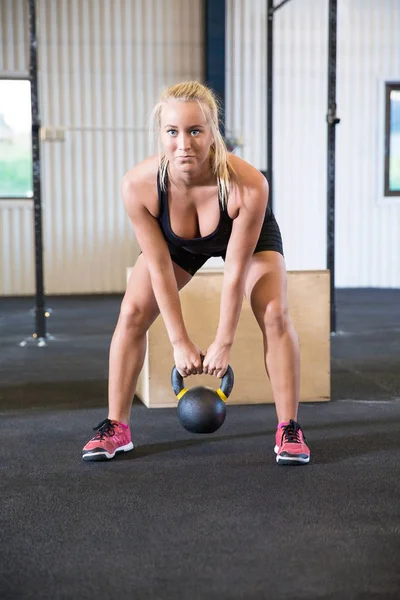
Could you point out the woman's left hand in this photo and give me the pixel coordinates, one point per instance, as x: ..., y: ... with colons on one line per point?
x: 216, y: 360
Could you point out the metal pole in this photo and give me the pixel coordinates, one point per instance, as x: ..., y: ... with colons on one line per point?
x: 215, y: 26
x: 278, y: 6
x: 270, y: 94
x: 40, y: 318
x: 332, y: 121
x: 270, y: 98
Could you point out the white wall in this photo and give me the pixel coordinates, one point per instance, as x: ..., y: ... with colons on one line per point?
x: 102, y: 66
x: 367, y: 229
x: 300, y: 58
x: 368, y: 226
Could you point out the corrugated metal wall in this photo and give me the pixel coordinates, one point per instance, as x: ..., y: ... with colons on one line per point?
x: 301, y: 51
x: 368, y: 226
x: 246, y: 76
x: 367, y: 229
x: 16, y: 247
x: 14, y: 48
x: 300, y: 58
x: 102, y: 66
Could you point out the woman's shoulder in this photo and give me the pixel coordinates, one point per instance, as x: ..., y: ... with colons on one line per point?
x: 244, y: 175
x: 144, y: 172
x: 140, y: 183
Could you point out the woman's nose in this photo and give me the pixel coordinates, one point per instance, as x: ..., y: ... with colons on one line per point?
x: 184, y: 141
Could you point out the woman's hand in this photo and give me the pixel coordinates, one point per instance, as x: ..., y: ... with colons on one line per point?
x: 188, y: 358
x: 216, y: 360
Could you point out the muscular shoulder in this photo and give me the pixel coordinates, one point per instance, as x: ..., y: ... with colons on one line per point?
x: 247, y: 176
x: 248, y: 183
x: 139, y: 184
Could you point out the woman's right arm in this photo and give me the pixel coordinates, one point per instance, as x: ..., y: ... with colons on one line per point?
x: 159, y: 263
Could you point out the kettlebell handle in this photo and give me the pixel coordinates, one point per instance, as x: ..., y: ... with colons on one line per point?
x: 223, y: 391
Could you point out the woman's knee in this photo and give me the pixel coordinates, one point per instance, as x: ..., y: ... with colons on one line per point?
x: 136, y: 316
x: 276, y: 318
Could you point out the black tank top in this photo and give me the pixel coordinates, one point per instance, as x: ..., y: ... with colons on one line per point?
x: 214, y: 244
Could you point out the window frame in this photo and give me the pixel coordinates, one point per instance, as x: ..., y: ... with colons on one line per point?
x: 389, y: 87
x: 18, y: 77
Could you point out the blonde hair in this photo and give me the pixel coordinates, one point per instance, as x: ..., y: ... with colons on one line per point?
x: 193, y: 91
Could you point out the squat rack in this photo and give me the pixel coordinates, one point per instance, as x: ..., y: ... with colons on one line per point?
x: 215, y: 28
x: 40, y: 311
x: 331, y: 119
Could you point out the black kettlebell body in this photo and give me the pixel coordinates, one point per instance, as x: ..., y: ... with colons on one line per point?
x: 202, y: 409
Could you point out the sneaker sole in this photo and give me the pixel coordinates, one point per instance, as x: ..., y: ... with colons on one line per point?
x: 290, y: 460
x: 104, y: 455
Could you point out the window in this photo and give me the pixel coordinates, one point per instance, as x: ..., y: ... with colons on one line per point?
x: 392, y: 140
x: 15, y: 139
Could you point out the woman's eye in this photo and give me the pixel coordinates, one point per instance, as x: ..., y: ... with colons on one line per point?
x: 174, y: 133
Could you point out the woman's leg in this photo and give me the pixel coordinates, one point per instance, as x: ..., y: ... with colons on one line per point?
x: 266, y: 291
x: 139, y: 310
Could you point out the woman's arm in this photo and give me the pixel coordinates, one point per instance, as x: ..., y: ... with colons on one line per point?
x: 245, y: 233
x: 156, y: 252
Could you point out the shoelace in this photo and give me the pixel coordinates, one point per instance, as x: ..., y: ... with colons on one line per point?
x: 292, y: 432
x: 105, y: 428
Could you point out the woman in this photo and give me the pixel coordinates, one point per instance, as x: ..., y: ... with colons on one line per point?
x: 192, y: 201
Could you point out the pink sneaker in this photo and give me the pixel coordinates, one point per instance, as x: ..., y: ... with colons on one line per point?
x: 291, y: 447
x: 111, y: 438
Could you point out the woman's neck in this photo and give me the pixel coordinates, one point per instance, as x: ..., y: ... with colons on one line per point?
x: 200, y: 177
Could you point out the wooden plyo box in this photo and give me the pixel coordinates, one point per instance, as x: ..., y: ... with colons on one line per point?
x: 309, y: 306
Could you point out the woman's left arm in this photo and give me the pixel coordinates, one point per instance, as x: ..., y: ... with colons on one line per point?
x: 245, y: 233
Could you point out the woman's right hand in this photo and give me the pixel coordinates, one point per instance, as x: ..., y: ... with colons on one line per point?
x: 188, y: 358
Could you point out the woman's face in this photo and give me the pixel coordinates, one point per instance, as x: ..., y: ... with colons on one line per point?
x: 185, y: 134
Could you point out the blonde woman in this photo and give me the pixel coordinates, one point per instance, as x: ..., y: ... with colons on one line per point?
x: 192, y: 201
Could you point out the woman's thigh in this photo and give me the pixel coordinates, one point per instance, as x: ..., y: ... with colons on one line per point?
x: 139, y: 297
x: 266, y: 284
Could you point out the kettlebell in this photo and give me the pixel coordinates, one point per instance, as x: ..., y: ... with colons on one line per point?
x: 202, y: 409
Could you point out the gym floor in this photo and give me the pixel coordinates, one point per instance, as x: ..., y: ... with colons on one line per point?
x: 188, y: 517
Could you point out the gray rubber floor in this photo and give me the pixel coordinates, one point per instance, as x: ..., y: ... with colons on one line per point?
x: 197, y: 517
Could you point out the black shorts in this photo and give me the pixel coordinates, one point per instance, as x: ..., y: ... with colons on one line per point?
x: 270, y: 239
